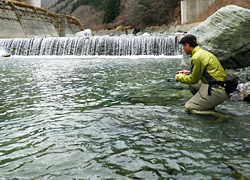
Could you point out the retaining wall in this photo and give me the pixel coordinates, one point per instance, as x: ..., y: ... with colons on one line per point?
x: 18, y: 20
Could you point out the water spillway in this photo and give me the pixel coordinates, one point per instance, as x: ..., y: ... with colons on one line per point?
x: 95, y: 45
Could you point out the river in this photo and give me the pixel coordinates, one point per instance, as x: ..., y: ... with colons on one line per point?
x: 113, y: 118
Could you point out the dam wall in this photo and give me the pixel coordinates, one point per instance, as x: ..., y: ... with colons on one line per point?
x: 19, y: 20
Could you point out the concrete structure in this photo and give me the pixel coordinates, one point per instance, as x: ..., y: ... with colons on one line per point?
x: 36, y: 3
x: 19, y: 20
x: 62, y: 26
x: 190, y: 9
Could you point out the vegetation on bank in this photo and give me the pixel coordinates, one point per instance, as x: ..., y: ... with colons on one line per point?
x: 66, y: 4
x: 108, y: 14
x: 95, y: 3
x: 137, y: 13
x: 110, y: 8
x: 221, y: 3
x: 143, y: 13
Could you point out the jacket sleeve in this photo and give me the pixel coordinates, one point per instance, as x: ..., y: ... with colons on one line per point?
x: 196, y: 72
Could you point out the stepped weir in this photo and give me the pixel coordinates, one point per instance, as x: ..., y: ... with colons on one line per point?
x: 95, y: 45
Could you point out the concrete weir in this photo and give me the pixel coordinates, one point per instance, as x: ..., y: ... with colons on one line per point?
x: 26, y: 21
x: 94, y: 46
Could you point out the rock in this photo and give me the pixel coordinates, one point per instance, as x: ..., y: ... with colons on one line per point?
x: 244, y: 91
x: 186, y: 62
x: 145, y: 34
x: 227, y: 35
x: 86, y: 33
x: 242, y: 74
x: 183, y: 27
x: 5, y: 55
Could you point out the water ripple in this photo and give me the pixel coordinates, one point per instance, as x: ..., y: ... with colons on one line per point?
x: 75, y: 119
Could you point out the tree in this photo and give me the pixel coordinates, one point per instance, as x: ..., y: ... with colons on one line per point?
x: 95, y: 3
x: 111, y: 10
x: 143, y: 13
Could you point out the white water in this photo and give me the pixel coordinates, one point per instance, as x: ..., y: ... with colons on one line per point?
x: 2, y: 52
x: 94, y: 46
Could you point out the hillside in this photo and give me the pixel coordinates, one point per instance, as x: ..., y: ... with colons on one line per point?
x: 89, y: 17
x: 221, y: 3
x: 138, y: 14
x: 48, y: 3
x: 62, y: 6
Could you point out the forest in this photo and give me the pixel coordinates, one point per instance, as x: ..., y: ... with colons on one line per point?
x: 108, y: 14
x: 136, y: 13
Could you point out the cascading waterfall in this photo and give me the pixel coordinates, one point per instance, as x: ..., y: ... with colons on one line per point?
x: 95, y: 45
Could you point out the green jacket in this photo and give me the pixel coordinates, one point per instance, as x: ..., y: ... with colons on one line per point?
x: 204, y: 66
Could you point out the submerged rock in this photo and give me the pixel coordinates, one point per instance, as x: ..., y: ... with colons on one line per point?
x: 162, y: 94
x: 227, y: 35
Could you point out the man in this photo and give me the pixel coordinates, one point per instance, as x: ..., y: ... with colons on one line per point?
x: 205, y: 68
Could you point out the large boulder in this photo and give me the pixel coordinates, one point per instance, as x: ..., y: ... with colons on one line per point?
x: 227, y: 35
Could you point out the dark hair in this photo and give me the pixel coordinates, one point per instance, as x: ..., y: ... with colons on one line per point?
x: 193, y: 45
x: 189, y: 39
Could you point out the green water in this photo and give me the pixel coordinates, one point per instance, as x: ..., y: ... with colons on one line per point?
x: 113, y: 118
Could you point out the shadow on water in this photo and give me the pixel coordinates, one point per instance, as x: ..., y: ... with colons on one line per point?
x: 160, y: 94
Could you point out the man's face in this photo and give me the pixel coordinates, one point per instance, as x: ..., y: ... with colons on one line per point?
x: 188, y: 50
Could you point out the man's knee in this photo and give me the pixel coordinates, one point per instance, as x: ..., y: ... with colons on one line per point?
x: 190, y: 105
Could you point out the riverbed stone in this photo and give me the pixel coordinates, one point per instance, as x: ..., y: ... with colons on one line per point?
x: 227, y: 35
x: 5, y: 55
x: 244, y: 91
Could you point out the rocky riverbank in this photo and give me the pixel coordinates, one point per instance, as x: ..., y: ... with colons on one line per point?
x: 152, y: 30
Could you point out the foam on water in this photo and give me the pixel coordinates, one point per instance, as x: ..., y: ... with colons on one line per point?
x: 94, y: 46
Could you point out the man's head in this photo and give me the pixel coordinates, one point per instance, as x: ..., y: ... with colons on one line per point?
x: 188, y: 42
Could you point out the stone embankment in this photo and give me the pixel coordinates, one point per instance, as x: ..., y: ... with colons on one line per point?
x: 18, y: 20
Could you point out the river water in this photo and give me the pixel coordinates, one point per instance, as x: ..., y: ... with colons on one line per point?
x: 113, y: 118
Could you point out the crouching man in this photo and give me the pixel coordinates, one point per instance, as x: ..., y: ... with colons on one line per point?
x: 205, y: 68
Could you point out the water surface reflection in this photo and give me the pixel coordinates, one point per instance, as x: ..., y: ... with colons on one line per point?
x: 104, y: 118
